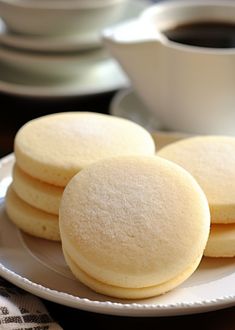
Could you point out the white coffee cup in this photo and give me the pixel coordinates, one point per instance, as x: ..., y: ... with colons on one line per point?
x: 190, y: 88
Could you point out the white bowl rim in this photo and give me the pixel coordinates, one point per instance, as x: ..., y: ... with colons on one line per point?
x: 60, y: 4
x: 20, y: 56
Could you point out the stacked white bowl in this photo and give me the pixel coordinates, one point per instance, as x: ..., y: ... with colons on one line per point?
x: 56, y: 39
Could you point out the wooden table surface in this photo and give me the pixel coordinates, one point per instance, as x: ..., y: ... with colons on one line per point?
x: 14, y: 112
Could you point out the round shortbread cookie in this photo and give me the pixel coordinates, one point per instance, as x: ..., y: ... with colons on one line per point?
x: 211, y: 160
x: 221, y: 242
x: 134, y: 222
x: 54, y: 148
x: 128, y: 293
x: 39, y: 194
x: 31, y: 220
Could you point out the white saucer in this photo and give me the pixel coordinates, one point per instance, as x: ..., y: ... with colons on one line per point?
x: 127, y: 104
x: 105, y: 75
x: 50, y: 44
x: 81, y: 41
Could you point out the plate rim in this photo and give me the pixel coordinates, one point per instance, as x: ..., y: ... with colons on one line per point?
x: 109, y: 307
x: 115, y: 308
x: 57, y: 91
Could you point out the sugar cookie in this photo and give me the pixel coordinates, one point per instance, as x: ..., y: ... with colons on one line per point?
x: 129, y: 293
x: 31, y: 220
x: 39, y: 194
x: 55, y: 147
x: 134, y: 223
x: 211, y: 160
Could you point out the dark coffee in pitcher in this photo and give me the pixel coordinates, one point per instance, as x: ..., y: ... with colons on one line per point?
x: 210, y: 34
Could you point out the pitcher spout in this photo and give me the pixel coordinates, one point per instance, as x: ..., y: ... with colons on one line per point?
x: 131, y: 42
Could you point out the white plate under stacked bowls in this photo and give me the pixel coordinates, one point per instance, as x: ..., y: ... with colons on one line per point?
x: 57, y: 41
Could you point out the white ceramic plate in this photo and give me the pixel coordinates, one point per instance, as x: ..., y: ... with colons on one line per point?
x: 81, y: 41
x: 104, y: 75
x: 50, y: 44
x: 38, y: 266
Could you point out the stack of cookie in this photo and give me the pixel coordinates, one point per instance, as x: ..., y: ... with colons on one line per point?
x: 211, y: 160
x: 50, y: 150
x: 133, y: 227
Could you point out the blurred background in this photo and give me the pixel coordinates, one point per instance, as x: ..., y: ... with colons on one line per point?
x: 52, y: 59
